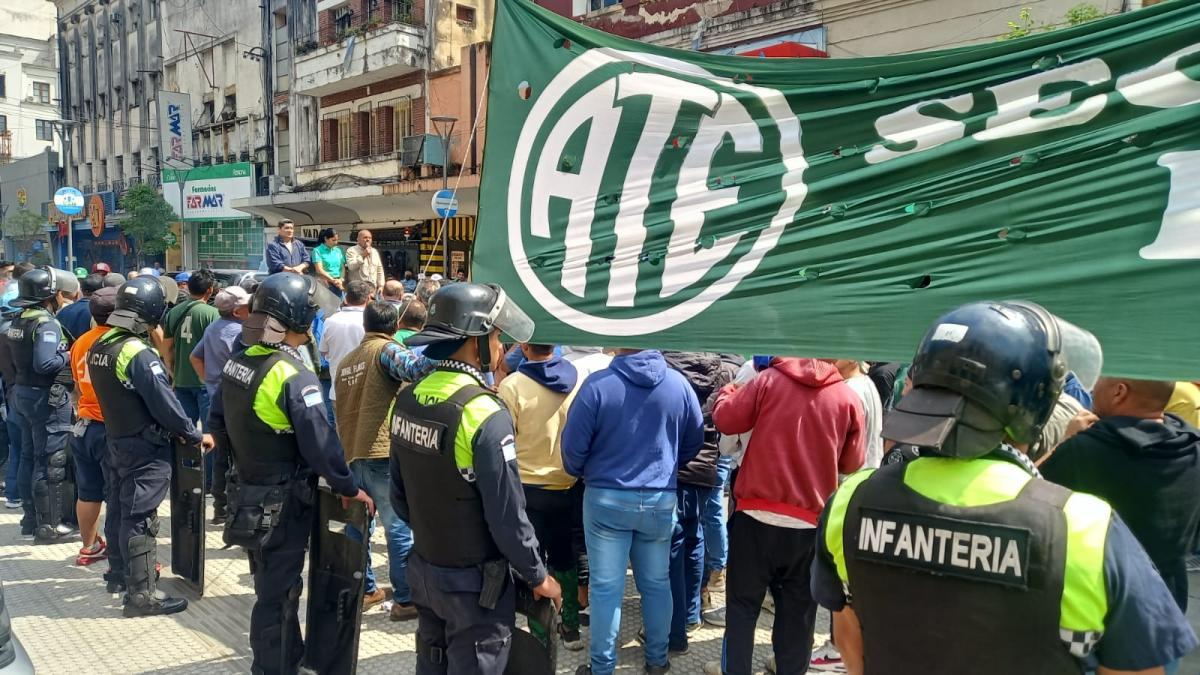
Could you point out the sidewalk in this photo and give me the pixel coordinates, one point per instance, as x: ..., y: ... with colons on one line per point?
x: 67, y: 622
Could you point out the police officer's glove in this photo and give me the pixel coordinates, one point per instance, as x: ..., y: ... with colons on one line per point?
x: 363, y: 497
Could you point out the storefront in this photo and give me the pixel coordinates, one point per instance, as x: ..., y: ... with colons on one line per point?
x: 462, y: 239
x: 96, y: 235
x: 214, y: 233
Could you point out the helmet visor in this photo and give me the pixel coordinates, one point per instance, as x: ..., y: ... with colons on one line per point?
x: 1082, y: 352
x: 322, y: 298
x: 170, y: 288
x: 64, y: 281
x: 510, y: 319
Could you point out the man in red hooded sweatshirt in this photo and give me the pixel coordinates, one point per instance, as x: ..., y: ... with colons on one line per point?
x: 808, y: 428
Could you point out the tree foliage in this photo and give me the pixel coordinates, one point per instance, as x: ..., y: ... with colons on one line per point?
x: 1027, y: 25
x: 148, y: 219
x: 25, y: 226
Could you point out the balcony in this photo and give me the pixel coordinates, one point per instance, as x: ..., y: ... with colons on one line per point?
x: 355, y: 50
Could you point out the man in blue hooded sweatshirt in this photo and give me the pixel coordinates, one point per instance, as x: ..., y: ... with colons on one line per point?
x: 627, y: 432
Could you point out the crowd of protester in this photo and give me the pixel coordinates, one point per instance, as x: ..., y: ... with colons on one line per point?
x: 705, y: 473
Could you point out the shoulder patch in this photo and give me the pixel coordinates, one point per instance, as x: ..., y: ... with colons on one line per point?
x: 157, y: 368
x: 312, y: 395
x: 509, y: 447
x: 49, y: 337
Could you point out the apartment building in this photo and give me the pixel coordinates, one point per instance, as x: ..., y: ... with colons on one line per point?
x: 28, y: 79
x: 363, y: 90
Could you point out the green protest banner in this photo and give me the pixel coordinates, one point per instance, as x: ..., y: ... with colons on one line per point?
x: 639, y: 196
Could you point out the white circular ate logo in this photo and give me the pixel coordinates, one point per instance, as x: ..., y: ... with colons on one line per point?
x: 652, y: 234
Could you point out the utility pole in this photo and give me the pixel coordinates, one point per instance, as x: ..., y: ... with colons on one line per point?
x: 63, y: 128
x: 446, y: 123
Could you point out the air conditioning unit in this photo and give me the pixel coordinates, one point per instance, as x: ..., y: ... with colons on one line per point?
x: 410, y: 150
x: 29, y: 99
x: 279, y: 184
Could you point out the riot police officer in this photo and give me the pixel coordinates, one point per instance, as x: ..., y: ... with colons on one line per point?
x: 142, y: 419
x: 270, y: 407
x: 964, y: 559
x: 455, y: 481
x: 42, y: 391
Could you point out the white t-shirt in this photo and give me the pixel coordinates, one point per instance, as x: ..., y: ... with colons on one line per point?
x: 872, y: 417
x: 343, y: 332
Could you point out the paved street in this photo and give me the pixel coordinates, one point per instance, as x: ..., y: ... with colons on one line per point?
x: 68, y: 623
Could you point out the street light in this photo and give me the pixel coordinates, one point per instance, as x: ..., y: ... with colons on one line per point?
x: 63, y: 128
x: 446, y: 122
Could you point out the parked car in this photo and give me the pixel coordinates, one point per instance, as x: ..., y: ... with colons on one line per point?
x: 13, y: 659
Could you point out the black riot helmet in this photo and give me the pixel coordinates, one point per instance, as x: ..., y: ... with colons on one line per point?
x: 988, y: 370
x: 293, y: 299
x: 464, y: 310
x: 140, y: 303
x: 43, y: 283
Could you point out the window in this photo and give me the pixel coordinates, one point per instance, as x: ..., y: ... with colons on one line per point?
x: 41, y: 92
x: 465, y: 14
x: 2, y: 94
x: 343, y: 19
x: 3, y: 123
x: 595, y: 5
x: 44, y: 129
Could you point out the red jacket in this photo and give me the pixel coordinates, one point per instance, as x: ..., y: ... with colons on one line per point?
x: 808, y: 427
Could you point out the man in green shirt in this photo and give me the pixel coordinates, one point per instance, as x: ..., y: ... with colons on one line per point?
x: 329, y: 260
x: 183, y: 328
x: 412, y: 319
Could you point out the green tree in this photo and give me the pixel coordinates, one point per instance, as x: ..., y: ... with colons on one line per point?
x: 148, y: 220
x: 25, y: 227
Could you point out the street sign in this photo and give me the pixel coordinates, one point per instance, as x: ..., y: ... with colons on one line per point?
x: 444, y: 203
x: 69, y: 201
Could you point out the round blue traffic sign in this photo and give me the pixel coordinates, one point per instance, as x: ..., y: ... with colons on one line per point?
x: 69, y: 200
x: 444, y: 203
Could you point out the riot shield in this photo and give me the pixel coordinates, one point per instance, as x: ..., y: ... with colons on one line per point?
x: 187, y: 515
x: 336, y: 581
x: 528, y: 656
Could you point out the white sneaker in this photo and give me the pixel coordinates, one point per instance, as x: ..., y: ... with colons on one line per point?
x: 714, y: 617
x: 12, y: 503
x: 827, y: 659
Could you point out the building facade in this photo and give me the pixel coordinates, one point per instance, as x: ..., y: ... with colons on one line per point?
x: 836, y: 28
x: 362, y: 90
x: 117, y: 55
x: 28, y: 79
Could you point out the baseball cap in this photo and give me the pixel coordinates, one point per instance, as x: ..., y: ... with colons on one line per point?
x: 182, y: 277
x: 230, y: 298
x: 102, y: 304
x: 80, y: 272
x: 101, y: 268
x: 114, y: 279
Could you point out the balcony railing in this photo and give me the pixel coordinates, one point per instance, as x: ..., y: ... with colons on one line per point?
x: 154, y: 180
x: 101, y: 187
x: 377, y: 13
x: 118, y: 187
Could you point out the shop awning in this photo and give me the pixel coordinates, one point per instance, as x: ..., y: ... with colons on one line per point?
x: 392, y: 202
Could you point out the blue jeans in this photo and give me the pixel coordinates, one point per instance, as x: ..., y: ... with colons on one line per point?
x: 11, y: 481
x: 326, y: 386
x: 194, y: 401
x: 372, y: 475
x: 623, y: 527
x: 687, y: 564
x: 712, y: 516
x: 1173, y: 667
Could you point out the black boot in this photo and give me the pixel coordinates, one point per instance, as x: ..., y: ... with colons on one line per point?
x: 114, y: 581
x: 144, y: 598
x: 47, y: 521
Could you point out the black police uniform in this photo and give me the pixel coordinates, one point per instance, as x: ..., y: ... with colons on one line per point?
x: 42, y: 390
x: 275, y: 470
x: 469, y: 523
x: 141, y: 416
